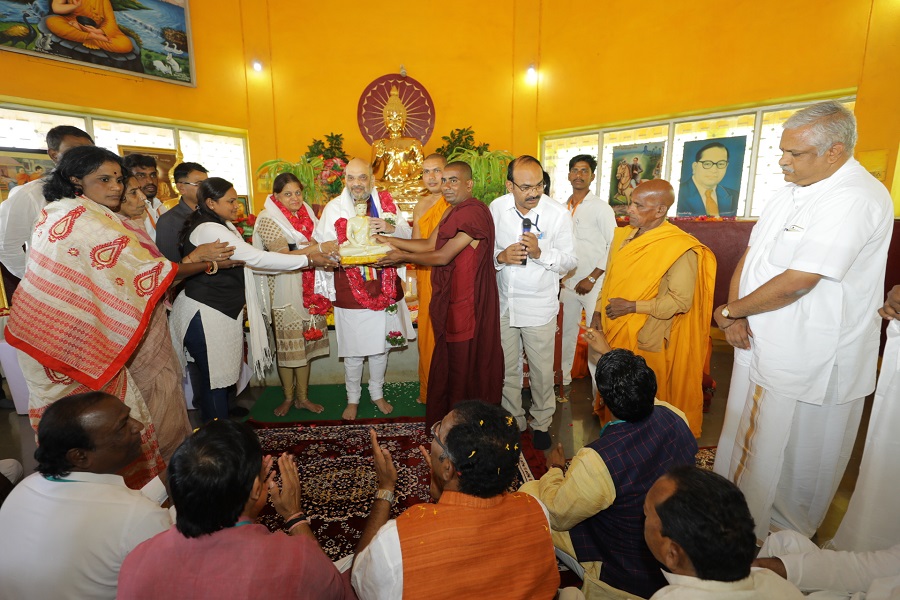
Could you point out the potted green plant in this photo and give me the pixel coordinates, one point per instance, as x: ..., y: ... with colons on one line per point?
x: 488, y: 166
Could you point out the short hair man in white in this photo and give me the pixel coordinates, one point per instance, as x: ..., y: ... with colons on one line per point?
x: 594, y: 222
x: 361, y: 321
x: 20, y: 212
x: 802, y: 315
x: 529, y: 266
x: 66, y: 529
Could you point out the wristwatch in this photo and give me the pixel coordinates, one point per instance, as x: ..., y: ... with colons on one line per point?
x: 386, y: 495
x: 725, y: 313
x: 592, y: 279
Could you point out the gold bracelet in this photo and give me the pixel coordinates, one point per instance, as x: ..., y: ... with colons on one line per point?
x: 213, y: 268
x: 320, y: 247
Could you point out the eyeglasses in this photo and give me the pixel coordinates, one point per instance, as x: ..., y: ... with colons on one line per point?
x: 708, y: 164
x: 529, y: 188
x: 435, y: 429
x: 190, y: 183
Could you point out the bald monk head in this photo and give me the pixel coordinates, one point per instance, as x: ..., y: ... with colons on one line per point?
x: 650, y: 202
x: 358, y: 179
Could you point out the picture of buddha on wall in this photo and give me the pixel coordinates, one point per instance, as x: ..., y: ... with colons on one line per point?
x: 150, y: 37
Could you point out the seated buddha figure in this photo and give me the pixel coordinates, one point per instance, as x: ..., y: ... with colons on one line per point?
x: 397, y: 160
x: 90, y: 23
x: 360, y: 244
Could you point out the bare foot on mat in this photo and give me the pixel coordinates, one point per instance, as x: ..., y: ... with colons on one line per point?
x: 310, y: 406
x: 283, y: 408
x: 350, y: 412
x: 419, y: 400
x: 384, y: 406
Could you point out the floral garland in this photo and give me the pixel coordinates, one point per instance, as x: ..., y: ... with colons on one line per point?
x: 301, y: 221
x: 316, y: 304
x: 382, y: 300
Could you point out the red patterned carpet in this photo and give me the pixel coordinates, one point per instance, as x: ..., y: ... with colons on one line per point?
x: 338, y: 480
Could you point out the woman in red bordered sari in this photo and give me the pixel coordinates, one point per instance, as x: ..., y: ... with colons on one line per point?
x: 87, y: 297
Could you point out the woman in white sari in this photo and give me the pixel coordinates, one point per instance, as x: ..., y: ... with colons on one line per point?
x: 295, y: 302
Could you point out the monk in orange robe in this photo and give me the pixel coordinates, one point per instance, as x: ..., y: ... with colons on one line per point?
x: 657, y: 298
x: 96, y: 29
x: 426, y: 217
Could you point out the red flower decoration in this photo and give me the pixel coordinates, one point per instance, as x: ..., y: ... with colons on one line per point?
x: 340, y: 227
x: 316, y: 304
x: 379, y: 302
x: 313, y: 334
x: 387, y: 202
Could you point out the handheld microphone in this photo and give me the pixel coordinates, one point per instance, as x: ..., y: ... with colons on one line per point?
x: 526, y: 228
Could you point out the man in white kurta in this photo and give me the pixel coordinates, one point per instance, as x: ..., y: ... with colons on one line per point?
x: 802, y: 315
x: 830, y: 574
x: 872, y: 521
x: 529, y: 267
x: 594, y: 222
x: 361, y: 333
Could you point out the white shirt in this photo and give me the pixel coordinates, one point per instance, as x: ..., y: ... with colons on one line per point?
x: 839, y: 228
x: 67, y: 539
x: 530, y: 292
x: 595, y: 224
x: 155, y: 208
x: 18, y: 215
x: 762, y: 584
x: 378, y: 569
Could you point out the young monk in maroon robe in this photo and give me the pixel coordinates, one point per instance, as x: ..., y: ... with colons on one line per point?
x: 467, y: 363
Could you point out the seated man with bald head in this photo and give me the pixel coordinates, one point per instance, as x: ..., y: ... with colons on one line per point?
x: 657, y: 298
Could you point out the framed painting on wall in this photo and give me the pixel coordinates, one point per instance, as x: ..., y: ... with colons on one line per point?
x: 633, y: 164
x: 165, y: 164
x: 711, y: 172
x: 151, y: 38
x: 18, y: 166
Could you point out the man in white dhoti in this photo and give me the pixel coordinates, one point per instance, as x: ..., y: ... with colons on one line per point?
x: 370, y: 314
x: 872, y: 521
x: 802, y: 317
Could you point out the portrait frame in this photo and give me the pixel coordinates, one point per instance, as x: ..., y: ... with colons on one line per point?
x: 648, y: 155
x: 26, y: 159
x: 690, y: 204
x: 244, y: 201
x: 157, y: 35
x: 166, y: 159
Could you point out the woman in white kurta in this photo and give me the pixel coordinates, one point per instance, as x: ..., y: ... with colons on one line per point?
x: 207, y: 316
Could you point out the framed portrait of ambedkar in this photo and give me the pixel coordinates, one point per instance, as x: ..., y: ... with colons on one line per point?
x: 151, y: 38
x: 711, y: 172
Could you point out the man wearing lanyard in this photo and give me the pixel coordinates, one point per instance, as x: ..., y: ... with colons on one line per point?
x: 533, y: 247
x: 595, y: 223
x: 596, y: 503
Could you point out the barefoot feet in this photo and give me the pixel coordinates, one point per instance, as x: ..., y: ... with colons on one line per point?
x: 384, y: 406
x: 350, y: 412
x: 307, y: 405
x: 283, y: 408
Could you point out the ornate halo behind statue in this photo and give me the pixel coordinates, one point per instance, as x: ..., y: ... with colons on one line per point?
x: 413, y: 95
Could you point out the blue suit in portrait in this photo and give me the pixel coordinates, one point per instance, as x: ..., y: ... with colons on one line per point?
x: 690, y: 202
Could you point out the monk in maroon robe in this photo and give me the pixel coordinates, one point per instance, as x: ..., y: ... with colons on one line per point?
x: 467, y: 363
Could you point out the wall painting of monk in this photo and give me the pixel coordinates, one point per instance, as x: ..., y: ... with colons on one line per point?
x: 632, y: 164
x: 147, y: 37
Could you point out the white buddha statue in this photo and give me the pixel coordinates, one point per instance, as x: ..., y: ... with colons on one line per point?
x: 360, y: 242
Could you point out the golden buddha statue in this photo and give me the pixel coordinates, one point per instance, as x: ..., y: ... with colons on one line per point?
x: 397, y: 160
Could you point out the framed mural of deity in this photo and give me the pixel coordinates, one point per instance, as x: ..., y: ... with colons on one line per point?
x: 18, y: 166
x: 165, y: 164
x: 711, y: 173
x: 150, y: 38
x: 631, y: 165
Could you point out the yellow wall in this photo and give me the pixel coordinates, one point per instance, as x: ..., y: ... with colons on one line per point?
x: 600, y: 65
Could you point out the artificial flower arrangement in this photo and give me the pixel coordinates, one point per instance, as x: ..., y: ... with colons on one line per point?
x: 244, y: 226
x: 395, y: 338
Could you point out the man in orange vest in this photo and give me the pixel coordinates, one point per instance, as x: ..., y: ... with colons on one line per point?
x: 657, y: 298
x: 476, y: 529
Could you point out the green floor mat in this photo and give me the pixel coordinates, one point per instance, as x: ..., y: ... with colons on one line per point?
x: 334, y: 398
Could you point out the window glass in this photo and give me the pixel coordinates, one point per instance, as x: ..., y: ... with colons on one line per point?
x: 26, y: 129
x: 222, y: 155
x: 112, y: 134
x: 557, y: 153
